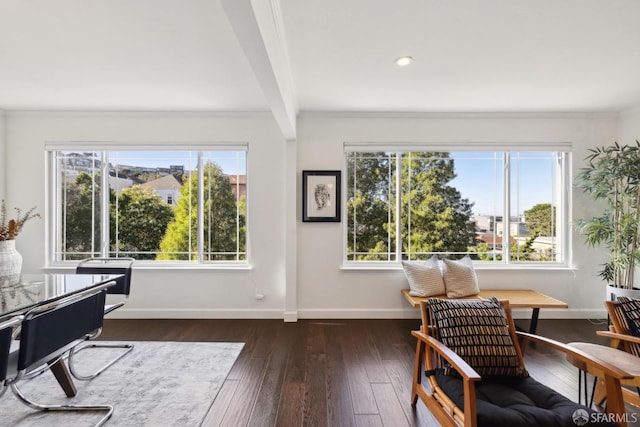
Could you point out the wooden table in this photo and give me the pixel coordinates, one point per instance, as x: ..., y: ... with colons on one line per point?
x: 518, y: 298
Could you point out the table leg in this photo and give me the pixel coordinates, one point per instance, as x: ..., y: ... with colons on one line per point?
x: 62, y: 374
x: 534, y: 320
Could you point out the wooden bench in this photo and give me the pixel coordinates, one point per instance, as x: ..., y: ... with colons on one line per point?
x: 518, y: 298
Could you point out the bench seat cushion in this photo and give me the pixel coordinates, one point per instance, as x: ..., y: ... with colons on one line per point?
x: 517, y: 402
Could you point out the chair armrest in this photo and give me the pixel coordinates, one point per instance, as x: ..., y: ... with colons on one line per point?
x: 621, y: 337
x: 606, y: 368
x: 466, y: 372
x: 609, y: 374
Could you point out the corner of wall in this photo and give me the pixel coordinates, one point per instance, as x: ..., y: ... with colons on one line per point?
x: 3, y: 153
x: 290, y: 316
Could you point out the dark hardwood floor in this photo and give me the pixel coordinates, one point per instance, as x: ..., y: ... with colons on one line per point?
x: 333, y: 372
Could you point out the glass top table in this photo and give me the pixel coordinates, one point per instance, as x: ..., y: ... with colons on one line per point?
x: 35, y: 289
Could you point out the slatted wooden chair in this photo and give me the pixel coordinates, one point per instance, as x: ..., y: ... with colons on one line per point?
x: 622, y: 337
x: 496, y: 390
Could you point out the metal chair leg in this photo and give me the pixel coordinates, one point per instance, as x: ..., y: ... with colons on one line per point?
x: 76, y: 350
x: 68, y: 408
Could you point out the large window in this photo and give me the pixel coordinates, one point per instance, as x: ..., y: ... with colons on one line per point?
x: 172, y: 205
x: 499, y: 206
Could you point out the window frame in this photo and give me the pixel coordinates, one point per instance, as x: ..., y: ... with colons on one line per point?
x: 52, y: 186
x: 563, y: 186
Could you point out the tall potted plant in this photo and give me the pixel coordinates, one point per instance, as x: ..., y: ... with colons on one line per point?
x: 612, y: 176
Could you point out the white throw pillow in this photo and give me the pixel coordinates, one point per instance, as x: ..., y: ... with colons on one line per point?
x: 460, y: 278
x: 425, y: 279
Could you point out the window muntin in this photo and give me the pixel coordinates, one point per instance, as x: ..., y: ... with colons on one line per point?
x: 455, y: 203
x: 161, y: 205
x: 537, y: 226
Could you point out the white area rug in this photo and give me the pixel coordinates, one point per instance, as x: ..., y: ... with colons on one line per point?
x: 157, y: 384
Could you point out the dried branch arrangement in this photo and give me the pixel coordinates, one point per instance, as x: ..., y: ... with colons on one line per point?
x: 10, y: 228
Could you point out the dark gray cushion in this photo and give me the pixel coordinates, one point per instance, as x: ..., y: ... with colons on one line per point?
x: 518, y: 402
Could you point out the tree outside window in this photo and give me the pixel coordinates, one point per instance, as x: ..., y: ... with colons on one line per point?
x: 499, y: 207
x: 158, y: 205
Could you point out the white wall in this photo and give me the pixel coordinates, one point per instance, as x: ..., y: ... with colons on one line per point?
x: 283, y: 246
x: 162, y: 293
x: 3, y: 170
x: 324, y: 290
x: 629, y: 127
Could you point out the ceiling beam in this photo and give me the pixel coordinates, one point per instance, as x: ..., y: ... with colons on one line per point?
x: 258, y: 27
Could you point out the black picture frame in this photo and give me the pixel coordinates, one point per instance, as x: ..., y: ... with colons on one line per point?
x: 321, y: 196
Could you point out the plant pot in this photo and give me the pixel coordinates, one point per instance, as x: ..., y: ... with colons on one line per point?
x: 10, y: 262
x: 613, y: 293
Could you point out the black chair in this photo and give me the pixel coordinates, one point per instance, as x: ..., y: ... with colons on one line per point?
x: 6, y: 331
x: 122, y: 289
x: 48, y: 332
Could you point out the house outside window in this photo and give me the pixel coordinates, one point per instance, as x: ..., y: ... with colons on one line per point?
x: 163, y: 206
x: 501, y: 204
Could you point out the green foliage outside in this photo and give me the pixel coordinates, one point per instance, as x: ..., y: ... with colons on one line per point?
x: 434, y: 215
x: 368, y: 205
x: 525, y: 252
x: 539, y: 222
x: 82, y: 216
x: 142, y: 221
x: 147, y: 228
x: 541, y: 219
x: 220, y: 233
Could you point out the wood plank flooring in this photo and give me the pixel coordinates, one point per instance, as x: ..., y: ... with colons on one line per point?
x: 333, y: 372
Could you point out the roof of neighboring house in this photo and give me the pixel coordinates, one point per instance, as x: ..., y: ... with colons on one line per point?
x: 168, y: 182
x: 237, y: 179
x: 492, y: 239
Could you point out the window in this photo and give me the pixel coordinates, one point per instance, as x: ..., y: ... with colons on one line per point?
x: 177, y: 205
x: 497, y: 205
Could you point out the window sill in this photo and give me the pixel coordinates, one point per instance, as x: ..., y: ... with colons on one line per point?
x: 393, y: 266
x: 141, y: 265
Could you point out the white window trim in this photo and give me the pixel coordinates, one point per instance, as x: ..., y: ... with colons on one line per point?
x: 51, y: 184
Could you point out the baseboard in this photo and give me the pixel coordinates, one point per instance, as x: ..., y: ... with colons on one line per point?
x: 356, y: 313
x: 312, y: 313
x: 163, y: 313
x: 415, y: 314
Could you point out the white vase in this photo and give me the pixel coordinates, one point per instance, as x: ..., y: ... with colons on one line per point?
x: 10, y: 262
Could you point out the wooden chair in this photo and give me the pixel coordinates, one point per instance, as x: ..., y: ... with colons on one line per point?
x: 619, y: 330
x: 472, y: 400
x: 623, y: 339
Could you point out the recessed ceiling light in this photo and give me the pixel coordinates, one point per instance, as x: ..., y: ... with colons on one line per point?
x: 403, y: 61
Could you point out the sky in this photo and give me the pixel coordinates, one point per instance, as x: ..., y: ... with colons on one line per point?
x: 232, y: 162
x: 479, y: 180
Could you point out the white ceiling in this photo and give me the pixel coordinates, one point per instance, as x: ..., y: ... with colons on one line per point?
x: 320, y: 55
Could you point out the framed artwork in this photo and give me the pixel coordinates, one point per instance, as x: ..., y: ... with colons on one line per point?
x: 321, y: 196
